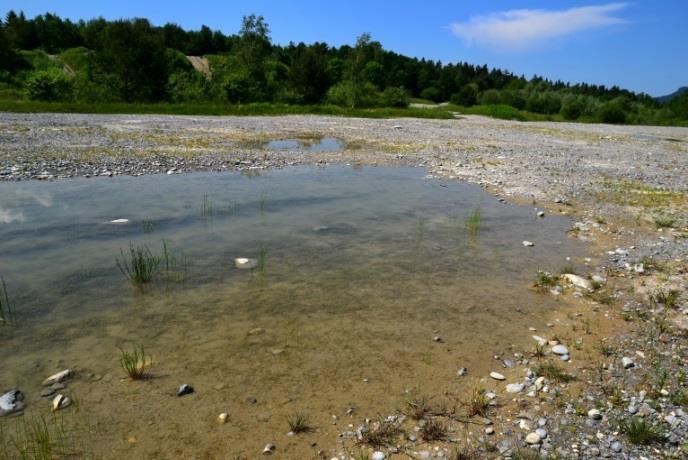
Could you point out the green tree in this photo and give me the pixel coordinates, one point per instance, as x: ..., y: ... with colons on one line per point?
x: 133, y: 61
x: 48, y: 85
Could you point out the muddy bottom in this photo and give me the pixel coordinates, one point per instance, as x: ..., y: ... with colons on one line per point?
x: 325, y: 144
x: 358, y: 271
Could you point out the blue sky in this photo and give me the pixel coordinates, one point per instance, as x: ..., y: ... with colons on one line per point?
x: 641, y: 45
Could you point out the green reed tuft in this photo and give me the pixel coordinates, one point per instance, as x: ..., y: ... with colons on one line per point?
x: 139, y: 265
x: 473, y: 222
x: 135, y: 362
x: 6, y: 312
x: 207, y: 206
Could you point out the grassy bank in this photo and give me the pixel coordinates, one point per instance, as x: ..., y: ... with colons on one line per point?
x: 217, y: 109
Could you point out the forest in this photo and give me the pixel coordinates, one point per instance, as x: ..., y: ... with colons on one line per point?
x: 99, y: 63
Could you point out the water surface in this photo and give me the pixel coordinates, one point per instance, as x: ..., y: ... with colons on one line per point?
x: 362, y: 268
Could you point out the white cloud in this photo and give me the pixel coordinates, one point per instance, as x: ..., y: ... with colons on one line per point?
x: 520, y: 29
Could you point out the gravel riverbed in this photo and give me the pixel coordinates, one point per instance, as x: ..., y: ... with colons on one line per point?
x: 619, y: 386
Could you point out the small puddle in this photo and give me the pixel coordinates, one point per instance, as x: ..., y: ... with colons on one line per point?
x: 326, y: 144
x: 358, y: 270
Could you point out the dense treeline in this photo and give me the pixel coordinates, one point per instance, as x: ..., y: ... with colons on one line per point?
x: 53, y: 59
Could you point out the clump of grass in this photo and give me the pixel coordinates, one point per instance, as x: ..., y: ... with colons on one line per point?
x: 139, y: 265
x: 298, y: 423
x: 35, y: 438
x: 544, y: 280
x: 380, y: 433
x: 567, y: 269
x: 135, y: 362
x: 5, y: 306
x: 664, y: 221
x: 640, y: 432
x: 553, y: 372
x: 473, y: 222
x: 148, y: 226
x: 667, y: 298
x: 539, y: 351
x: 207, y: 206
x: 417, y: 407
x: 477, y: 404
x: 605, y: 348
x: 433, y: 430
x: 261, y: 204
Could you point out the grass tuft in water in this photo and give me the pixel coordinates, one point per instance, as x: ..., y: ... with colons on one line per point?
x: 261, y: 204
x: 6, y: 311
x: 473, y: 223
x: 299, y: 423
x: 640, y: 432
x: 553, y: 372
x: 139, y: 265
x: 36, y: 438
x: 207, y: 206
x: 135, y: 362
x: 544, y: 280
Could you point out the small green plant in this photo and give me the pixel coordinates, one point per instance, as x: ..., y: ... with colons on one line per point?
x: 605, y: 348
x: 417, y: 407
x: 570, y: 269
x: 553, y: 372
x: 473, y: 223
x: 135, y: 362
x: 664, y: 221
x: 477, y: 404
x: 433, y: 430
x: 261, y: 204
x: 207, y: 206
x: 544, y: 280
x: 5, y: 306
x: 148, y: 226
x: 139, y: 265
x: 539, y: 351
x: 298, y: 423
x: 667, y: 298
x: 680, y: 398
x: 600, y: 220
x: 640, y: 432
x: 36, y: 438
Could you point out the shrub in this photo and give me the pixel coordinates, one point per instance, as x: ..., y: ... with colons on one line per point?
x: 490, y: 97
x: 48, y: 85
x: 432, y: 94
x: 394, y: 97
x: 572, y: 107
x: 467, y: 97
x: 611, y: 113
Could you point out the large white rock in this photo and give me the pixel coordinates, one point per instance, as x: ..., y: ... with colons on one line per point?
x: 560, y: 350
x: 577, y: 281
x: 514, y: 388
x: 533, y: 438
x: 10, y: 402
x: 497, y: 376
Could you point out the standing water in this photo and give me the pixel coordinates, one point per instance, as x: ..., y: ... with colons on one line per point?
x: 356, y: 271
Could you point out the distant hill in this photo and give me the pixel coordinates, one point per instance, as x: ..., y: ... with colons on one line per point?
x: 668, y: 97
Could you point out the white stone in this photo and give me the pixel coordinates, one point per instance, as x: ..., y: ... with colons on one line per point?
x: 577, y: 281
x: 377, y: 455
x: 528, y: 244
x: 119, y: 221
x: 540, y: 340
x: 57, y: 378
x: 533, y: 438
x: 560, y: 350
x: 268, y: 449
x: 594, y: 414
x: 497, y: 376
x: 59, y: 402
x: 222, y: 418
x: 11, y: 402
x: 627, y: 363
x: 514, y: 388
x: 244, y: 263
